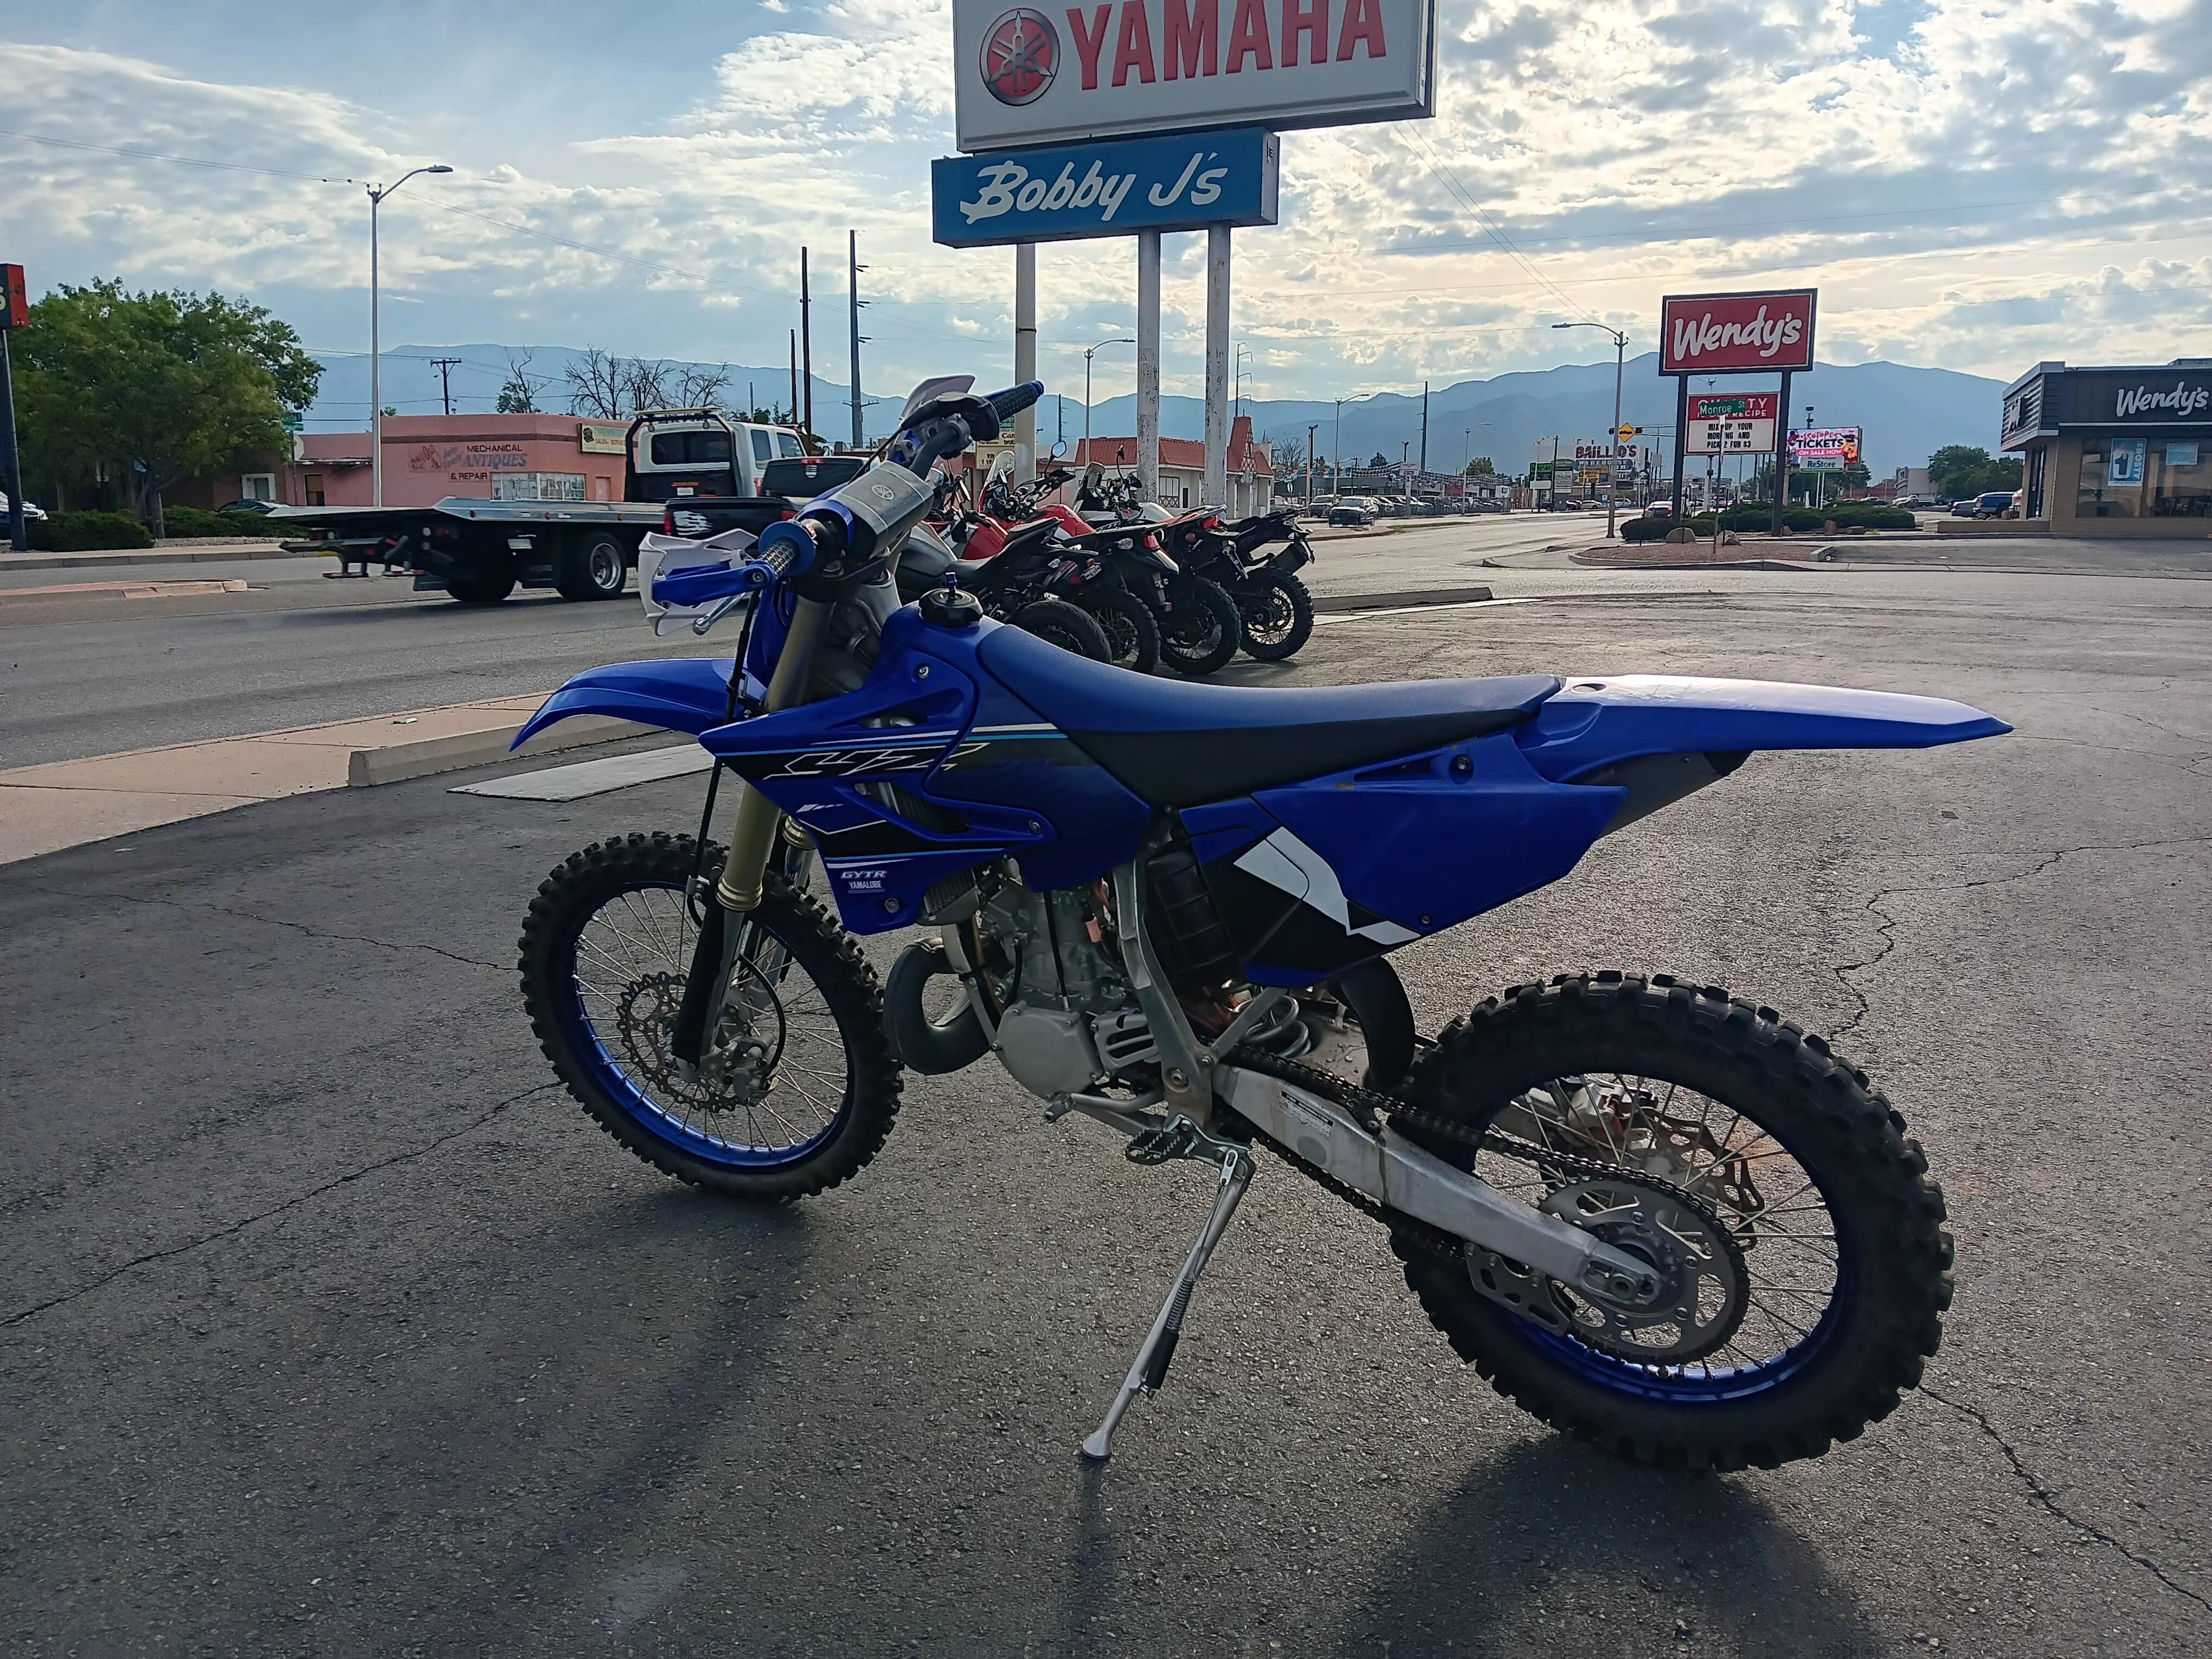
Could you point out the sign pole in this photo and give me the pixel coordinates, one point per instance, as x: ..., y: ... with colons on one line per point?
x: 18, y: 535
x: 1681, y: 437
x: 1148, y: 363
x: 1216, y: 490
x: 1781, y: 450
x: 1025, y: 357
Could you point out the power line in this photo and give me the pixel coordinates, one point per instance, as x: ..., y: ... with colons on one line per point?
x: 1444, y: 176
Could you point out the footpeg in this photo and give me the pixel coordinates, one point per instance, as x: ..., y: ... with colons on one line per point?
x: 1180, y: 1138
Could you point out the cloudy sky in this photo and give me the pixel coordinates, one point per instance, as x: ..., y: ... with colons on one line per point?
x: 1971, y: 184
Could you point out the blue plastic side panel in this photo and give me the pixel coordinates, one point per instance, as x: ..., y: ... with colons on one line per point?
x: 1221, y: 829
x: 1596, y: 723
x: 682, y: 694
x: 1410, y: 849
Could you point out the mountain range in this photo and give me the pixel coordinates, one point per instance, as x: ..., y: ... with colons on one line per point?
x: 1907, y: 413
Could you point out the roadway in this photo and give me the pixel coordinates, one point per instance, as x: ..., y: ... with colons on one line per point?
x: 327, y: 1325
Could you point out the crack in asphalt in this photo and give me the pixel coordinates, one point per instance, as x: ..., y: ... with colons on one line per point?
x: 292, y: 1203
x: 2045, y: 859
x: 2045, y: 1497
x: 300, y: 927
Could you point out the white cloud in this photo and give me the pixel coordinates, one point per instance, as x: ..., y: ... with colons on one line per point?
x: 1971, y: 182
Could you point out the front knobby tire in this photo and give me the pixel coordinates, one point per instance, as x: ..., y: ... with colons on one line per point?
x: 617, y: 908
x: 1803, y: 1111
x: 1202, y: 631
x: 1070, y: 627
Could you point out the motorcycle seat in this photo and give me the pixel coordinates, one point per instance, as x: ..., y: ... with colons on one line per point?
x: 1172, y: 743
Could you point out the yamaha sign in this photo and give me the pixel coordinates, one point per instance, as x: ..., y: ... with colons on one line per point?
x: 1027, y: 75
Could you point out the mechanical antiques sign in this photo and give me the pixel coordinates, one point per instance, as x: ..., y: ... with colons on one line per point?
x: 1737, y: 333
x: 1030, y: 75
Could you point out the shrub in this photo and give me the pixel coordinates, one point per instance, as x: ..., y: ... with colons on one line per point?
x: 1643, y: 530
x: 81, y: 532
x: 192, y: 521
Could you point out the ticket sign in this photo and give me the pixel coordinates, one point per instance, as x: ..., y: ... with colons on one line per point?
x: 1824, y: 449
x: 1051, y: 72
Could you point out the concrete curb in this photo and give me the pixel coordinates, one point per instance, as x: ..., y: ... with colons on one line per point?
x: 394, y: 763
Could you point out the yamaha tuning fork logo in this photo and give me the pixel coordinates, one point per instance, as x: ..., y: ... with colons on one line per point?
x: 1021, y: 54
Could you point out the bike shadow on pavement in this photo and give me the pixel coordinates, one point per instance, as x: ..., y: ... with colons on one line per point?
x: 1555, y: 1547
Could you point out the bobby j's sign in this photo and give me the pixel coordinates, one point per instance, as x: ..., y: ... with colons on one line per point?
x: 1110, y: 189
x: 1028, y: 75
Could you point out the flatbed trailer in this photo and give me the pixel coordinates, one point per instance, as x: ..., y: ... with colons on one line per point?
x: 479, y: 551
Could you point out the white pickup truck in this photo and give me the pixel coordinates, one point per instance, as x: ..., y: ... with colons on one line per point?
x: 479, y: 551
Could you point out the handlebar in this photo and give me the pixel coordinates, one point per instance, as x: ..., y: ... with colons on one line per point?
x: 1016, y: 398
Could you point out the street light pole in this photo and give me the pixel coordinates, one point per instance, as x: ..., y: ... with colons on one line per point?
x: 376, y: 195
x: 1089, y: 352
x: 1336, y: 454
x: 1312, y: 426
x: 1613, y: 442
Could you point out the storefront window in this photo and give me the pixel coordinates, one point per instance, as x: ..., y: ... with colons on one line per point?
x: 2179, y: 479
x: 2111, y: 479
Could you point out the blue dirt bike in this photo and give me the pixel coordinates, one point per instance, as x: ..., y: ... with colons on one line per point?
x: 1648, y: 1212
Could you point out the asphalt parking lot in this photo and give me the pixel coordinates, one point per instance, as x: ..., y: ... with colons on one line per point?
x: 328, y: 1326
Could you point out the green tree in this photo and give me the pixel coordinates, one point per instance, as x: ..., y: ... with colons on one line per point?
x: 1961, y: 470
x: 1379, y: 459
x: 155, y: 388
x: 1480, y: 467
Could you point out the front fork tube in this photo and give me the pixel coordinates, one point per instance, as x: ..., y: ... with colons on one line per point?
x: 753, y: 837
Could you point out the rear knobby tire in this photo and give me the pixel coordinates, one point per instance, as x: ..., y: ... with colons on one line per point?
x: 1893, y: 1278
x: 587, y: 883
x: 1202, y: 630
x: 1132, y: 633
x: 1277, y: 614
x: 1069, y: 627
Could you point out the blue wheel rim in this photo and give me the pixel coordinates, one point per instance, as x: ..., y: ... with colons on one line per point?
x: 1698, y: 1383
x: 618, y: 1080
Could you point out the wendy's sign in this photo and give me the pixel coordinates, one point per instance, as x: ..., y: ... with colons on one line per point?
x: 1737, y: 333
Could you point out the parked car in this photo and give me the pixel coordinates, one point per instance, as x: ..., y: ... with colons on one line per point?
x: 32, y: 510
x: 243, y: 505
x: 1352, y: 512
x: 1319, y: 506
x: 1991, y: 504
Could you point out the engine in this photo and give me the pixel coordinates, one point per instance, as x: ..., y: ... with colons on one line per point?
x: 1070, y: 1021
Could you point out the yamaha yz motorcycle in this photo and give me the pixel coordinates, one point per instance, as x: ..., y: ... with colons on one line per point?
x: 1650, y: 1213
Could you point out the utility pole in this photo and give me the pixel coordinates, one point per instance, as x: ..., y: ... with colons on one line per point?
x: 1424, y: 426
x: 445, y: 367
x: 805, y: 347
x: 376, y: 195
x: 1336, y: 454
x: 853, y: 260
x: 794, y: 377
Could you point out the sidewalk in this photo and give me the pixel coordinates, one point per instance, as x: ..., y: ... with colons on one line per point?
x: 63, y: 804
x: 195, y: 551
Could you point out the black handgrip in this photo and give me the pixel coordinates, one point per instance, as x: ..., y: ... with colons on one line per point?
x: 1016, y: 398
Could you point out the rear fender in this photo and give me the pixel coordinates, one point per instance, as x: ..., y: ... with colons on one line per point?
x: 1594, y: 725
x: 678, y: 694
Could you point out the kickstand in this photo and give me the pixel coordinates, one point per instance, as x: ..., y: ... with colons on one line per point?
x: 1180, y: 1139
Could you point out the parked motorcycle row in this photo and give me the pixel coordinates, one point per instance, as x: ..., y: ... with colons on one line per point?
x: 1115, y: 578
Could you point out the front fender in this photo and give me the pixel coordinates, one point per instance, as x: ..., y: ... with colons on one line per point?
x: 679, y: 694
x: 1600, y: 722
